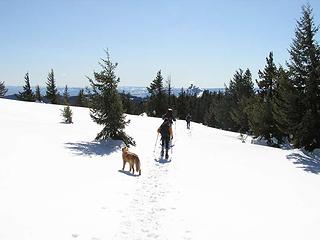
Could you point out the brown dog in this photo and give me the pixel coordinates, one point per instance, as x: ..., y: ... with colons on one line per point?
x: 132, y: 159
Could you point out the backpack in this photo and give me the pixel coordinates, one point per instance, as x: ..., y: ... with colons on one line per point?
x: 164, y: 129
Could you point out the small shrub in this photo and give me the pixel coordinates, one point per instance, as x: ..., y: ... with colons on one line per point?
x: 67, y: 114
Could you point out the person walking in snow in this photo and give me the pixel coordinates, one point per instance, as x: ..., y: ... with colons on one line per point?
x: 188, y: 119
x: 166, y: 135
x: 171, y: 118
x: 169, y: 115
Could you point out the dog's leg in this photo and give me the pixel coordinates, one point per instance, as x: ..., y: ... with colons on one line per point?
x: 130, y: 167
x: 133, y: 168
x: 124, y: 164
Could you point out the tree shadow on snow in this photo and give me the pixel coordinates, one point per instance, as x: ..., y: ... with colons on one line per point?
x: 306, y: 161
x: 94, y: 148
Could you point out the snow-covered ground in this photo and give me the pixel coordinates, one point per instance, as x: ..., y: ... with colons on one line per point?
x: 57, y: 183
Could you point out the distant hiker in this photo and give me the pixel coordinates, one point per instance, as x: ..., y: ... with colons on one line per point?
x: 166, y: 135
x: 188, y: 119
x: 171, y: 118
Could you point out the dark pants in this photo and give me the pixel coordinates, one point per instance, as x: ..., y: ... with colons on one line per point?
x: 188, y: 124
x: 165, y: 143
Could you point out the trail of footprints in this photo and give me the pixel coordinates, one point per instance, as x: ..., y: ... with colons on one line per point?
x: 142, y: 220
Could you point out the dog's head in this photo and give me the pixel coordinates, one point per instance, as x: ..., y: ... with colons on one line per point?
x: 125, y: 149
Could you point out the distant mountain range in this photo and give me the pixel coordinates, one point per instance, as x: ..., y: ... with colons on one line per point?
x: 140, y: 92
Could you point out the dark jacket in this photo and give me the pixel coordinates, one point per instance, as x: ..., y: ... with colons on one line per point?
x: 169, y: 116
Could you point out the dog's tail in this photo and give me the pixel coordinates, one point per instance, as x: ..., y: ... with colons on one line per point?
x: 138, y: 167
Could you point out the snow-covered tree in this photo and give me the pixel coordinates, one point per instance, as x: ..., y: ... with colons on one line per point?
x: 105, y: 103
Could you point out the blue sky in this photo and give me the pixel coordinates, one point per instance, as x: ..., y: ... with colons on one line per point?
x: 200, y: 42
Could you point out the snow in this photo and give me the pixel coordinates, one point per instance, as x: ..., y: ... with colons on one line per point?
x: 57, y: 183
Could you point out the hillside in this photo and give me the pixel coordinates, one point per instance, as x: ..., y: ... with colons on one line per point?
x: 57, y: 183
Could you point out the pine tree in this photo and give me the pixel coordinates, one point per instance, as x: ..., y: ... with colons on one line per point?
x: 81, y: 99
x: 127, y: 103
x: 259, y: 109
x: 304, y: 69
x: 3, y: 89
x: 67, y: 114
x: 204, y: 103
x: 38, y: 94
x: 52, y: 91
x: 66, y: 96
x: 268, y: 79
x: 157, y: 99
x: 209, y: 116
x: 105, y: 102
x: 222, y: 111
x: 285, y: 101
x: 182, y: 105
x: 27, y: 94
x: 240, y: 91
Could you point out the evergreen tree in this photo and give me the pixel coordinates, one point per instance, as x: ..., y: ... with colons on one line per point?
x: 38, y: 94
x: 127, y: 103
x: 27, y: 94
x: 209, y: 116
x: 222, y: 111
x: 182, y: 106
x: 105, y: 103
x: 66, y: 96
x: 258, y: 112
x: 52, y: 91
x: 241, y: 85
x: 3, y: 89
x: 304, y: 69
x: 157, y: 98
x: 268, y: 79
x: 67, y: 114
x: 240, y: 91
x: 285, y: 101
x: 81, y: 99
x: 204, y: 105
x: 259, y: 109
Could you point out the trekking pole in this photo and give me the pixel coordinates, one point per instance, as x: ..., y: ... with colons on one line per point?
x: 155, y: 143
x: 175, y: 137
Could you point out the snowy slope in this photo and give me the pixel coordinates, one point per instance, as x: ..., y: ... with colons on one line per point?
x: 57, y: 183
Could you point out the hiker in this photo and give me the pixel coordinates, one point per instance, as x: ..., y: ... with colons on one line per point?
x: 171, y: 118
x: 166, y: 135
x: 169, y: 115
x: 188, y: 119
